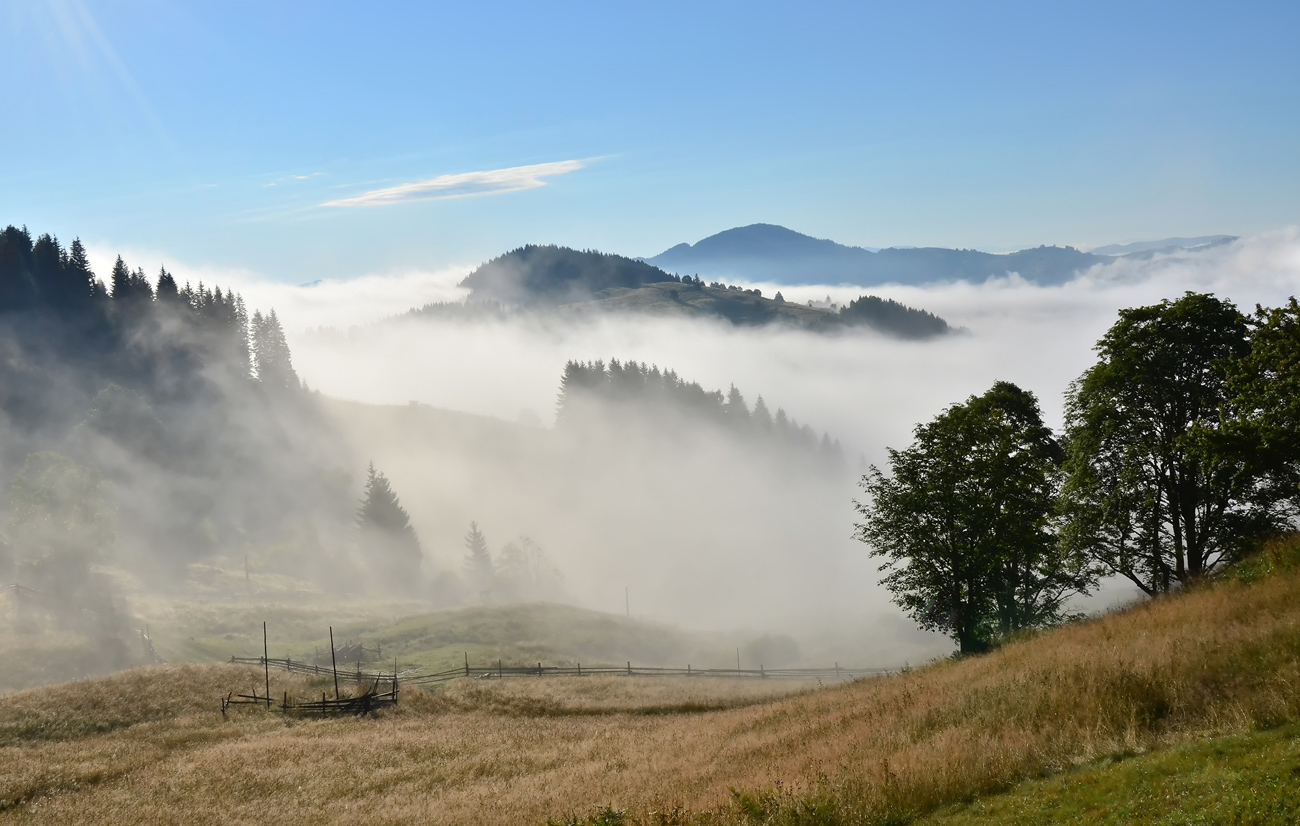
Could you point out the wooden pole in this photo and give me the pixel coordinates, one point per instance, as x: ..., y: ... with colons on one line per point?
x: 737, y: 659
x: 466, y: 653
x: 266, y: 666
x: 334, y: 663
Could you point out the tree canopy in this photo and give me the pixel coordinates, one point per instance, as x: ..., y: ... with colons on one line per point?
x: 963, y: 521
x: 1152, y: 492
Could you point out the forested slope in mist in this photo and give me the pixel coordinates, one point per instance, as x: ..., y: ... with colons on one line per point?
x: 188, y: 408
x: 156, y: 438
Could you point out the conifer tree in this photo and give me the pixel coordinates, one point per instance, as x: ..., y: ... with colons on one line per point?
x: 167, y: 291
x: 762, y: 416
x: 270, y: 352
x: 81, y: 278
x: 735, y: 409
x: 386, y: 534
x: 120, y: 281
x: 478, y: 560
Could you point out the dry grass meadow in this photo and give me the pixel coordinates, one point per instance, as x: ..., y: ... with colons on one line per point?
x: 150, y: 745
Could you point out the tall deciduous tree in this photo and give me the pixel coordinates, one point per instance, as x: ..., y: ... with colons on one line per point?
x: 1263, y: 429
x: 1151, y: 495
x: 963, y: 522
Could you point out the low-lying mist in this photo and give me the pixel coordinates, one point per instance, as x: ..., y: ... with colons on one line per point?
x: 868, y: 390
x: 706, y: 536
x: 670, y: 518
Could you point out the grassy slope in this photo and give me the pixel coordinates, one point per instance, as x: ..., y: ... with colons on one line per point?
x: 519, y: 634
x: 1155, y: 681
x: 1251, y: 778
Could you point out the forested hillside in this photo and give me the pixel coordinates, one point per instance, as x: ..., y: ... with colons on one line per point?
x: 581, y: 283
x: 629, y: 393
x: 169, y: 403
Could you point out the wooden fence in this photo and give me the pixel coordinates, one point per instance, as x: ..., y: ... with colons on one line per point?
x: 501, y: 671
x: 372, y: 698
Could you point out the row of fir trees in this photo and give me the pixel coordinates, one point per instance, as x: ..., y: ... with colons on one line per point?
x: 56, y: 288
x: 1181, y: 452
x: 659, y: 394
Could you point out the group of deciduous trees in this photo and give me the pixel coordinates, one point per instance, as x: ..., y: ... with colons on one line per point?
x: 1181, y: 451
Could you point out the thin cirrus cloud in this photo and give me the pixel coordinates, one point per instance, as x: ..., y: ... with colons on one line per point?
x: 462, y: 185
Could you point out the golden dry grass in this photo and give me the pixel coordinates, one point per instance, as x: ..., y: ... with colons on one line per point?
x: 1217, y: 660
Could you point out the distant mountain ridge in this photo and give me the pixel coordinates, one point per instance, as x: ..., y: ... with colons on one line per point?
x: 767, y: 252
x: 1163, y: 245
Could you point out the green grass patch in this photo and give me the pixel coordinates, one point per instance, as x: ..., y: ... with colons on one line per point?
x: 1246, y: 779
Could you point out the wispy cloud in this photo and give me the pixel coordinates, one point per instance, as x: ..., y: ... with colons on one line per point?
x: 290, y: 178
x: 462, y: 185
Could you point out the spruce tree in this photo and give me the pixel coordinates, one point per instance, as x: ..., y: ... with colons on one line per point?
x: 167, y: 291
x: 79, y: 277
x: 386, y: 535
x: 120, y: 281
x: 270, y: 353
x: 737, y: 412
x: 478, y: 560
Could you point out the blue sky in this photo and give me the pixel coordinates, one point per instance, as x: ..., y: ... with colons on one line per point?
x: 328, y: 140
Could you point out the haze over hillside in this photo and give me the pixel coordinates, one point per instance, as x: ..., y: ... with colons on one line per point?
x: 770, y: 253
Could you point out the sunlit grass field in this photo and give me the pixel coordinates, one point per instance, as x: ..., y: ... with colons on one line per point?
x: 1150, y: 683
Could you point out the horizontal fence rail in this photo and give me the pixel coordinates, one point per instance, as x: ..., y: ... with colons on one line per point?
x: 500, y: 671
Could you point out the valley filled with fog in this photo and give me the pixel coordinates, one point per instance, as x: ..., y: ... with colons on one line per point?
x: 706, y: 534
x: 610, y: 453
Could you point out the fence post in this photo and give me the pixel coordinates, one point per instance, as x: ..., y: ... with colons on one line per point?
x: 266, y: 666
x: 500, y: 671
x: 466, y: 653
x: 539, y: 669
x: 761, y: 672
x: 335, y: 664
x: 579, y: 669
x: 629, y: 668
